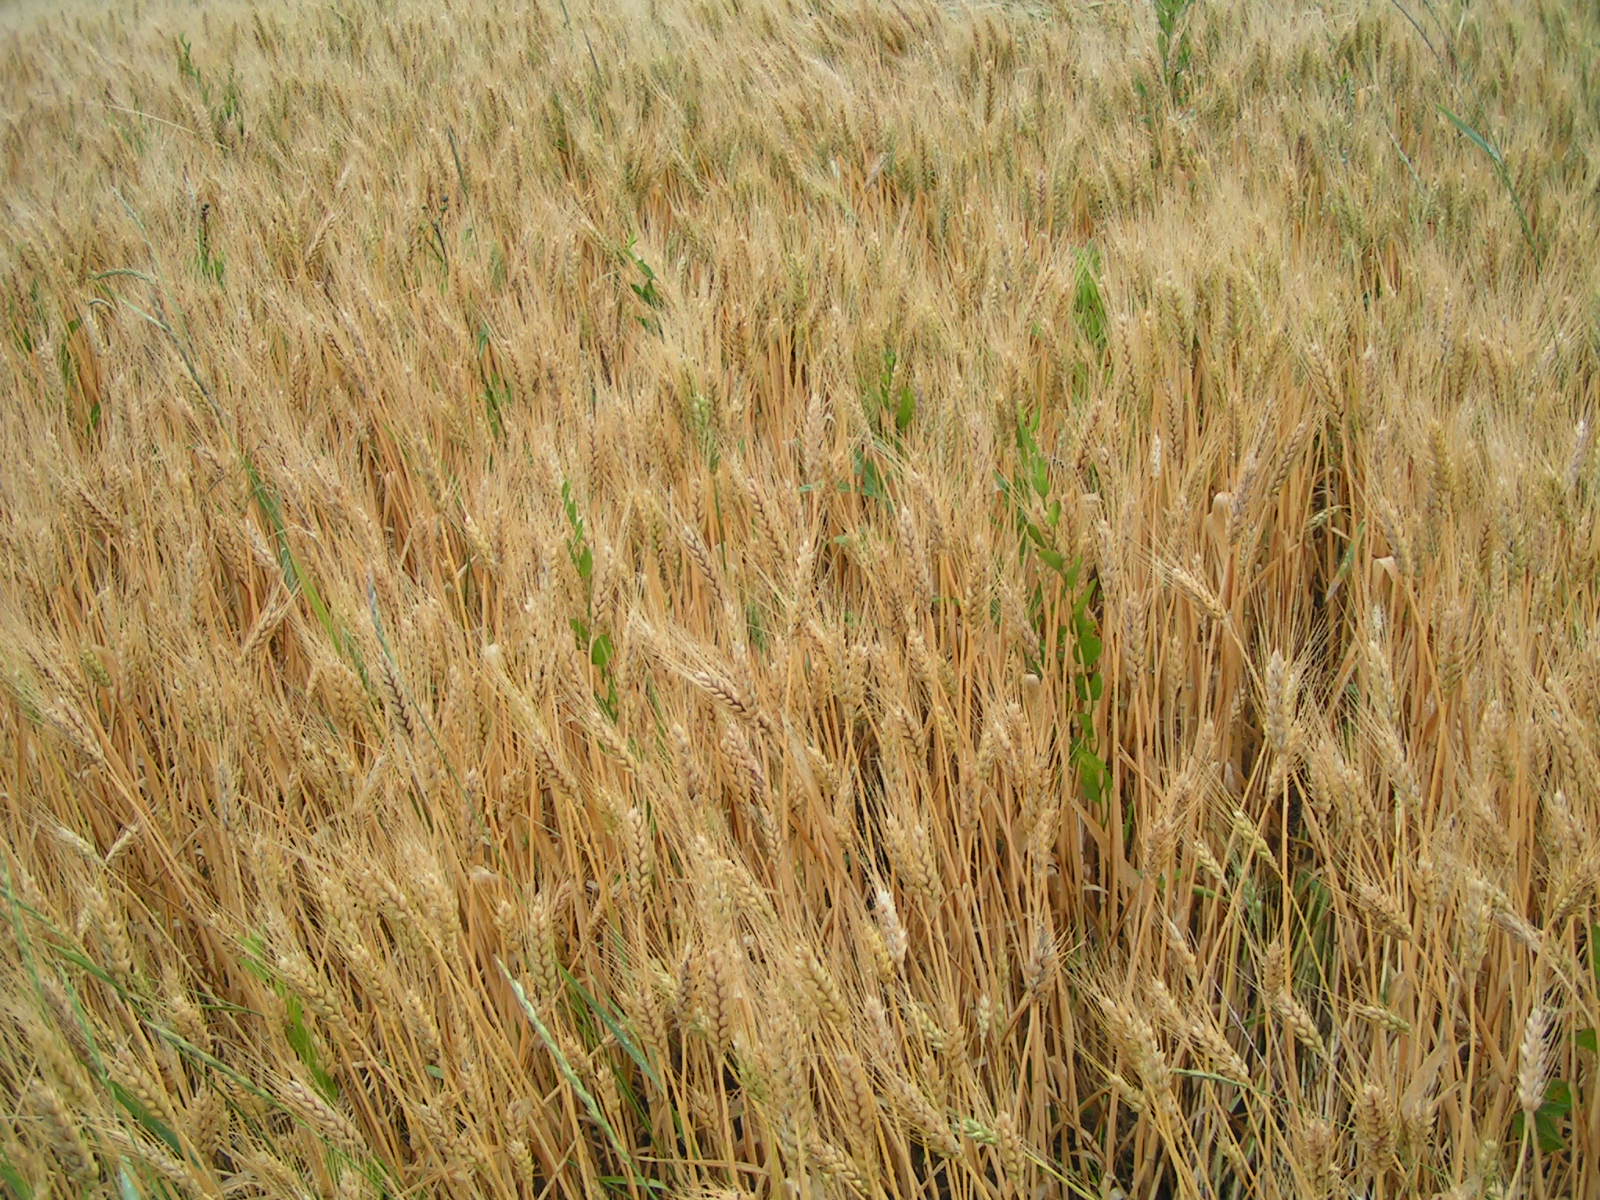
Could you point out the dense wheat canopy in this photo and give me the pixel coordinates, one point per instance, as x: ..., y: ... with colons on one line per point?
x: 800, y: 599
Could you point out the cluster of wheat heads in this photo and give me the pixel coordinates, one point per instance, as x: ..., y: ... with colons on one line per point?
x: 799, y: 599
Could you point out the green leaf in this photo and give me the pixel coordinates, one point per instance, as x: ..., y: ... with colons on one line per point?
x: 1476, y: 138
x: 563, y: 1064
x: 1346, y: 562
x: 1551, y: 1139
x: 1089, y: 647
x: 585, y: 562
x: 629, y: 1046
x: 1558, y: 1098
x: 905, y: 410
x: 871, y: 478
x: 1091, y: 774
x: 121, y: 272
x: 295, y: 1029
x: 1212, y: 1078
x: 1502, y: 172
x: 600, y: 653
x: 1586, y: 1040
x: 255, y: 957
x: 209, y: 1060
x: 92, y: 968
x: 304, y: 1043
x: 156, y: 1127
x: 1548, y: 1120
x: 15, y: 1184
x: 1089, y: 305
x: 294, y: 578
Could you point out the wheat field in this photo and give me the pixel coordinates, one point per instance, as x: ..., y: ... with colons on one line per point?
x: 800, y: 598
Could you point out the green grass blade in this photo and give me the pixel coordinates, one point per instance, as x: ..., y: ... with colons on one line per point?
x: 14, y: 1181
x: 182, y: 1044
x: 152, y: 1124
x: 1475, y: 137
x: 1498, y: 161
x: 629, y: 1046
x: 565, y: 1067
